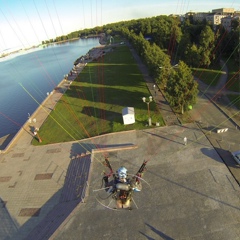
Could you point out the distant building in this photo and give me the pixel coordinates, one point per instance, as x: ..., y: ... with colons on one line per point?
x: 215, y: 19
x: 200, y: 16
x: 227, y: 22
x: 189, y: 14
x: 237, y: 13
x: 218, y: 16
x: 224, y: 11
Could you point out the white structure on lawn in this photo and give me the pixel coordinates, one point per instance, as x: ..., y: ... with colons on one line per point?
x: 128, y: 115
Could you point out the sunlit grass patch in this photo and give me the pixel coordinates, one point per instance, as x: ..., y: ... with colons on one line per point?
x: 208, y: 76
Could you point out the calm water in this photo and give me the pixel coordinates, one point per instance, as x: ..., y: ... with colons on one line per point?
x: 35, y: 73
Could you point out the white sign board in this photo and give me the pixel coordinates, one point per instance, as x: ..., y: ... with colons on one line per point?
x: 128, y: 115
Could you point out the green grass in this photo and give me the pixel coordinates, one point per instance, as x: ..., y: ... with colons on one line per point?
x: 93, y: 105
x: 233, y: 76
x: 234, y: 99
x: 208, y: 76
x: 211, y: 76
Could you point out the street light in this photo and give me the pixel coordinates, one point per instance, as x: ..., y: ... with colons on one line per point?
x: 37, y: 135
x: 35, y: 131
x: 147, y: 102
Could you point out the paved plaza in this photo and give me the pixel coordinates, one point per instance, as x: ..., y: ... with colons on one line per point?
x: 189, y: 192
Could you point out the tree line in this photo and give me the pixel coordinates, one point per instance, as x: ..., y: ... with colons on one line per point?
x: 177, y: 82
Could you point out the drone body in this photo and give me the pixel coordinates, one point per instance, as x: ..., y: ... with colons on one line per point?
x: 122, y: 187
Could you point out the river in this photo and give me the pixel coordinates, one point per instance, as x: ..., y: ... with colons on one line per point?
x: 25, y: 79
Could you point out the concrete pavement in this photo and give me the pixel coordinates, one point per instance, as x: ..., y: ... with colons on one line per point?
x: 47, y: 191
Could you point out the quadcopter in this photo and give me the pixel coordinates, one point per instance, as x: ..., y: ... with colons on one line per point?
x: 119, y: 187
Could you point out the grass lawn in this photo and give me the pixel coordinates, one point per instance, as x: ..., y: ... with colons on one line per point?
x: 233, y: 76
x: 207, y: 75
x: 235, y: 100
x: 211, y: 76
x: 93, y: 104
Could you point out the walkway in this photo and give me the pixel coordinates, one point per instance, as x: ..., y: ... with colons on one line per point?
x: 168, y: 115
x: 218, y: 95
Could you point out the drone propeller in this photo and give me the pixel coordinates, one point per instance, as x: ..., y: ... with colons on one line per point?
x: 111, y: 204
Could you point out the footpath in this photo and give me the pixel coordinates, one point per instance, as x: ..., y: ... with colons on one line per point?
x: 168, y: 115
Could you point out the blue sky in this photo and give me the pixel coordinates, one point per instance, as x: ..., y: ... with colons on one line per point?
x: 27, y: 22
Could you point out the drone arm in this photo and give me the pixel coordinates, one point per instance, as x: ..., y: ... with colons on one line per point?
x: 107, y: 163
x: 141, y: 170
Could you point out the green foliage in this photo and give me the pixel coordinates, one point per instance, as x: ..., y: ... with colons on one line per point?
x: 192, y: 56
x: 184, y: 44
x: 196, y: 39
x: 194, y: 31
x: 197, y: 46
x: 161, y: 29
x: 233, y: 75
x: 206, y: 46
x: 181, y: 88
x: 152, y: 56
x: 234, y: 99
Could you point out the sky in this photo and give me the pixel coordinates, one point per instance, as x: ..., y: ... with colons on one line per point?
x: 25, y: 23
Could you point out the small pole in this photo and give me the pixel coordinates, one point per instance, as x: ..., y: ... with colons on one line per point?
x: 39, y: 139
x: 37, y: 134
x: 185, y: 141
x: 148, y: 102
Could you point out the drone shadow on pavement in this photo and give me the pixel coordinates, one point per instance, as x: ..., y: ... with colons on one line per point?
x: 157, y: 232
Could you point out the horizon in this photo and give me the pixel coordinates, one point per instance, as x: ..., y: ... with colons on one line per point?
x: 26, y: 23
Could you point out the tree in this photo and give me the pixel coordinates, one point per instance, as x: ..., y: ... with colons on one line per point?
x: 206, y: 46
x: 192, y: 56
x: 183, y: 45
x: 181, y: 89
x: 235, y: 40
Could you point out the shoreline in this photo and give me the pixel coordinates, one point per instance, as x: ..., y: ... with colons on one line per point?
x: 19, y: 50
x: 37, y: 68
x: 7, y: 140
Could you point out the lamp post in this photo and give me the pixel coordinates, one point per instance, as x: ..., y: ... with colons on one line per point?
x: 148, y: 102
x: 36, y: 134
x: 35, y: 131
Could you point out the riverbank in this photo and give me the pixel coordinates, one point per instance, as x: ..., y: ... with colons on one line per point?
x: 9, y: 52
x: 31, y: 76
x: 48, y: 105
